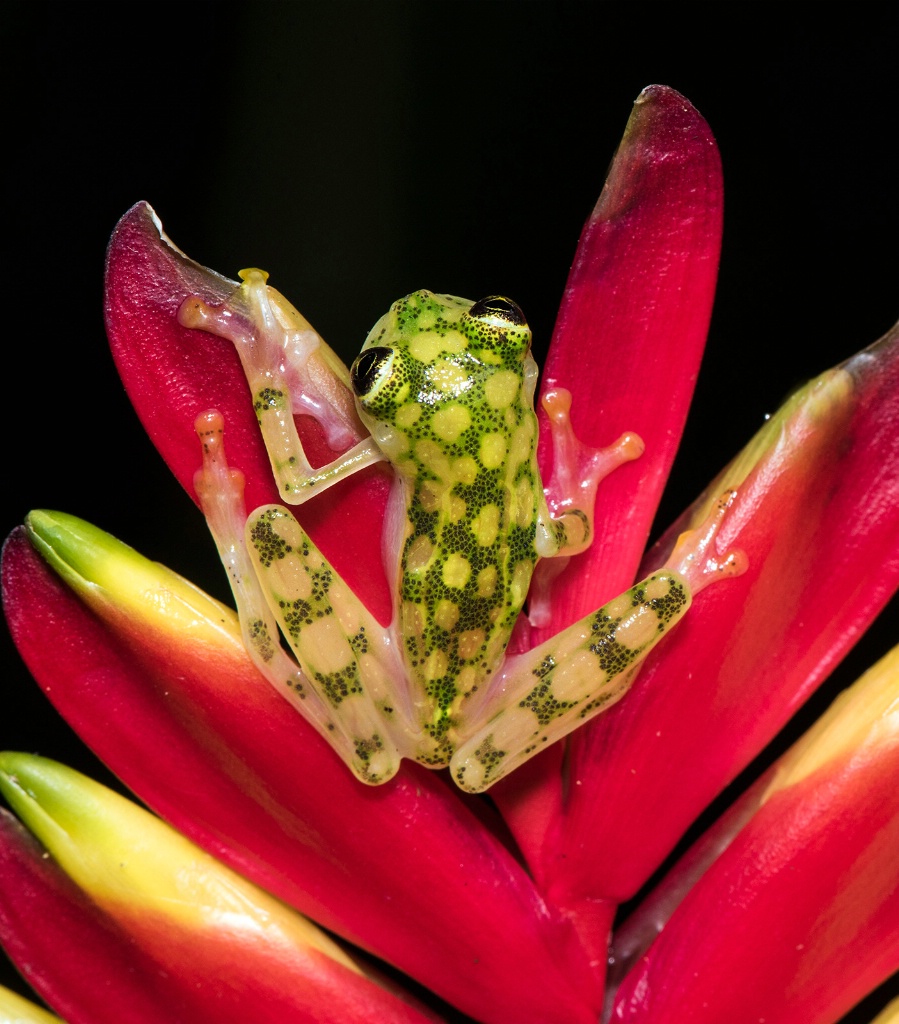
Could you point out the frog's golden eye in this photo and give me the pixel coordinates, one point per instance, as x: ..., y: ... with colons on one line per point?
x: 498, y: 311
x: 367, y: 368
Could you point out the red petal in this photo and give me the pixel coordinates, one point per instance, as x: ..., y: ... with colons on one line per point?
x: 627, y: 344
x: 632, y: 328
x: 95, y: 968
x: 818, y: 518
x: 172, y: 374
x: 404, y: 869
x: 797, y: 919
x: 79, y: 962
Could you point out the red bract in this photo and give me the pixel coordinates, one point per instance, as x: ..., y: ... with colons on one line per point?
x: 172, y: 374
x: 818, y: 514
x: 406, y: 870
x: 152, y: 674
x: 157, y: 905
x: 805, y: 884
x: 52, y: 929
x: 633, y: 321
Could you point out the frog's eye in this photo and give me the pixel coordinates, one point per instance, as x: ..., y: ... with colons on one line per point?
x: 367, y: 368
x: 498, y: 311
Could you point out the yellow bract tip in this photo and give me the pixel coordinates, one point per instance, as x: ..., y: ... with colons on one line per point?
x: 861, y: 721
x: 889, y: 1014
x: 135, y: 866
x: 14, y: 1009
x: 108, y: 575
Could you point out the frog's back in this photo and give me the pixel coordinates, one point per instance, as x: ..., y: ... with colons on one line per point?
x: 461, y: 431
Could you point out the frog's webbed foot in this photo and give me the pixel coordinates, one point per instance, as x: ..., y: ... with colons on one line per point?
x: 695, y: 554
x: 551, y: 690
x: 289, y: 369
x: 577, y: 472
x: 341, y: 684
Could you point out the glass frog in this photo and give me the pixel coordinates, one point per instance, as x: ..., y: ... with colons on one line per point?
x: 445, y: 388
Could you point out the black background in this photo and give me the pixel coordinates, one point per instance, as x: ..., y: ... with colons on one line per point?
x: 361, y: 150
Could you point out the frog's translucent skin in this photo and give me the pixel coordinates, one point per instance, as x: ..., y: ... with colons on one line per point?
x: 446, y: 388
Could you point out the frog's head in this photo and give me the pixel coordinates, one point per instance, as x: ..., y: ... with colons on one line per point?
x: 425, y: 367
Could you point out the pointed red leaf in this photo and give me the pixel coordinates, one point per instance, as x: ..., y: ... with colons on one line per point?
x: 77, y: 960
x: 172, y: 374
x: 818, y: 518
x: 632, y: 327
x: 628, y: 343
x: 211, y: 945
x: 404, y: 869
x: 96, y: 970
x: 797, y: 918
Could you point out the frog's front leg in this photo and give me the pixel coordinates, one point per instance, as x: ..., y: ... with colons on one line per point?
x: 566, y: 525
x: 281, y: 581
x: 551, y: 690
x: 565, y: 520
x: 289, y: 370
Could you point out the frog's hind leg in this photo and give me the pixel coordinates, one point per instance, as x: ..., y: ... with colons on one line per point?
x: 548, y: 692
x: 340, y: 685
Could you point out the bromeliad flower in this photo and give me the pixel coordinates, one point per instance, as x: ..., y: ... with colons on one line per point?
x: 501, y: 907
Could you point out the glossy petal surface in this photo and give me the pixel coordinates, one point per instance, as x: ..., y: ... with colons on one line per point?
x: 797, y: 918
x: 817, y: 515
x: 220, y: 947
x: 404, y: 870
x: 633, y: 321
x: 53, y: 932
x: 173, y: 374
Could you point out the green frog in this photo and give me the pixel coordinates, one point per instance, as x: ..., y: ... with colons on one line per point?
x: 444, y: 388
